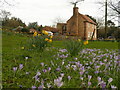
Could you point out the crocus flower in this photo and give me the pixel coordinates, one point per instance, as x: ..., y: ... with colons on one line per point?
x: 97, y: 67
x: 49, y: 68
x: 103, y: 84
x: 81, y: 73
x: 58, y: 69
x: 58, y: 82
x: 33, y: 87
x: 20, y: 66
x: 27, y: 73
x: 63, y: 63
x: 89, y: 83
x: 89, y: 77
x: 81, y: 78
x: 69, y: 77
x: 38, y: 73
x: 42, y: 64
x: 26, y: 58
x: 75, y: 58
x: 20, y: 86
x: 112, y: 86
x: 96, y: 72
x: 14, y: 68
x: 48, y: 85
x: 99, y: 79
x: 110, y: 80
x: 62, y: 74
x: 63, y: 50
x: 44, y: 70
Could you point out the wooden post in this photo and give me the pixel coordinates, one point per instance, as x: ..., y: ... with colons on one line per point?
x: 105, y: 19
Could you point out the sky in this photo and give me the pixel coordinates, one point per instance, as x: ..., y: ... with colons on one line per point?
x: 45, y: 12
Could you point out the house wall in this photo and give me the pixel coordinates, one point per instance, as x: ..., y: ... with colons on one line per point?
x: 60, y: 27
x: 72, y: 23
x: 89, y: 31
x: 81, y: 27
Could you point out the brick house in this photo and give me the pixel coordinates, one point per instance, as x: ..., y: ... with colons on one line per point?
x: 52, y: 29
x: 78, y: 25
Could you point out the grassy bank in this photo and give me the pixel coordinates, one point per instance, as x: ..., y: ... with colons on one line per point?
x: 27, y: 68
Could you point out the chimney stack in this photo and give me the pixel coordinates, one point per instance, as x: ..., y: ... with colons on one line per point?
x: 75, y: 15
x: 75, y: 11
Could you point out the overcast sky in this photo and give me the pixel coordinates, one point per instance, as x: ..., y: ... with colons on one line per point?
x: 46, y: 11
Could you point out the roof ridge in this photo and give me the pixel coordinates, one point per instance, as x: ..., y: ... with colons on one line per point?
x: 86, y: 18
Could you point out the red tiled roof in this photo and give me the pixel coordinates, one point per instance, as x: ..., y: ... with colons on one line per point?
x: 48, y: 28
x: 34, y: 30
x: 87, y: 18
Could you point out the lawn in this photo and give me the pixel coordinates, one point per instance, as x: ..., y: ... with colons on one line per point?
x: 96, y: 66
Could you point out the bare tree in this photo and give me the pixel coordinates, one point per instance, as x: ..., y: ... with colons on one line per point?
x: 4, y: 14
x: 114, y: 6
x: 58, y: 20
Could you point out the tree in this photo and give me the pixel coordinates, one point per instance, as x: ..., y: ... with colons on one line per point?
x: 4, y: 14
x: 33, y: 25
x: 114, y: 5
x: 12, y: 23
x: 58, y: 20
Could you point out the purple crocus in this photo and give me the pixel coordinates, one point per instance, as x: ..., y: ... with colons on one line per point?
x: 36, y: 78
x: 99, y: 79
x: 14, y: 68
x: 20, y: 86
x: 63, y: 50
x: 20, y: 66
x: 58, y: 82
x: 69, y: 77
x: 81, y: 73
x: 96, y: 72
x: 110, y: 80
x: 62, y: 74
x: 97, y: 67
x: 44, y: 70
x: 89, y: 77
x: 38, y: 73
x: 81, y: 78
x: 41, y: 87
x: 49, y: 68
x: 75, y: 58
x: 58, y: 69
x: 33, y: 87
x: 42, y: 64
x: 89, y: 83
x: 103, y: 84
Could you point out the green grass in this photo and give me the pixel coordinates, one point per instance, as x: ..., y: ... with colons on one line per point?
x: 13, y: 55
x: 93, y: 44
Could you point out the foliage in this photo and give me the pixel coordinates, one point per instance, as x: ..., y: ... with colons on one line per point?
x: 92, y: 18
x: 33, y: 25
x: 73, y: 46
x: 12, y: 23
x: 24, y: 30
x: 40, y: 41
x: 4, y: 14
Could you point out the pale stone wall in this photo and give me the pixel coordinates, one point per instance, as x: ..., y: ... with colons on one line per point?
x: 89, y: 31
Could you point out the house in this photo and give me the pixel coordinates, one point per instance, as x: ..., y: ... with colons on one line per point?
x: 48, y: 28
x: 18, y: 29
x: 78, y: 25
x: 33, y: 31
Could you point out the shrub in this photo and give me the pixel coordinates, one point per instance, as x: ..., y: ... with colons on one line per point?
x: 24, y: 30
x: 40, y: 41
x: 73, y: 47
